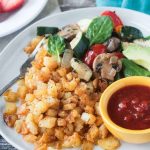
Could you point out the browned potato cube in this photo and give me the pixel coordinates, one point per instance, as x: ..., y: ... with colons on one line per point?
x: 109, y: 143
x: 10, y: 119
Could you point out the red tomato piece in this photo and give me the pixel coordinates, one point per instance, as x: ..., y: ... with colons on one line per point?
x: 119, y: 55
x: 116, y: 20
x: 91, y: 54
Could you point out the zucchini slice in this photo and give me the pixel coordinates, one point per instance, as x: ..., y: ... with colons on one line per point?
x: 79, y: 45
x: 129, y: 33
x: 46, y: 30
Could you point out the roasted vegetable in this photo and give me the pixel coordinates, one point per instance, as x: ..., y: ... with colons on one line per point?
x: 67, y: 56
x: 115, y: 19
x: 132, y: 69
x: 99, y: 30
x: 46, y: 30
x: 113, y: 44
x: 107, y: 65
x: 129, y: 33
x: 69, y: 32
x: 84, y: 72
x: 79, y: 45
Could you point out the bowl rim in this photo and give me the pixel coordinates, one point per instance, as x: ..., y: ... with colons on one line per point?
x: 104, y: 112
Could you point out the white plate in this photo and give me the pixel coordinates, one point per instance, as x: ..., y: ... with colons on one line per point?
x: 13, y: 56
x: 11, y: 22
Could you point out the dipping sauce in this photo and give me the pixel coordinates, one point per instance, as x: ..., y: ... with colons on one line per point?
x: 129, y: 107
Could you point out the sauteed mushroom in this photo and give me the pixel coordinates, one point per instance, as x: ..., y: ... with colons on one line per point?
x: 69, y: 32
x: 107, y: 65
x: 112, y: 44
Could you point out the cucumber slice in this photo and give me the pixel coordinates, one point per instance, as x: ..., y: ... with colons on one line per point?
x: 142, y: 42
x: 46, y: 30
x: 79, y: 45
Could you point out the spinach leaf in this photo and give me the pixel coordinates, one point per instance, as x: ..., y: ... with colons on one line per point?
x: 56, y: 45
x: 129, y: 33
x: 132, y: 69
x: 99, y: 30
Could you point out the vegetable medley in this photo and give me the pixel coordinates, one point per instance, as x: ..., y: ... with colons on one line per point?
x: 59, y: 96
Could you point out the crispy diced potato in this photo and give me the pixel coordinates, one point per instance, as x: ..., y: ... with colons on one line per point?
x: 10, y: 108
x: 22, y: 110
x: 18, y: 125
x: 44, y: 74
x: 29, y: 98
x: 72, y: 141
x: 51, y: 113
x: 59, y: 133
x: 22, y: 91
x: 40, y: 146
x: 50, y: 62
x: 61, y: 122
x: 31, y: 125
x: 24, y: 129
x: 92, y: 133
x: 31, y: 46
x: 10, y: 96
x: 98, y: 121
x: 88, y: 118
x: 69, y: 106
x: 89, y: 109
x: 51, y: 102
x: 97, y: 108
x: 52, y: 89
x: 87, y: 145
x: 62, y: 114
x: 109, y: 143
x: 103, y: 131
x: 40, y: 108
x: 30, y: 138
x: 62, y: 71
x: 10, y: 119
x: 79, y: 124
x: 48, y: 122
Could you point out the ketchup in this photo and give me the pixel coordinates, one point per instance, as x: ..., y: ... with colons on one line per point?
x: 129, y: 107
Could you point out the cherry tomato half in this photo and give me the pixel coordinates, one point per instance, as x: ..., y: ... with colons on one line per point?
x: 119, y: 55
x: 91, y: 54
x: 116, y: 20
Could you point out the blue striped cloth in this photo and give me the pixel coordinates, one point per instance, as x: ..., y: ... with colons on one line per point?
x: 139, y: 5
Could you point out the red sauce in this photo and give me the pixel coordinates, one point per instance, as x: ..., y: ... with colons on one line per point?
x: 129, y: 107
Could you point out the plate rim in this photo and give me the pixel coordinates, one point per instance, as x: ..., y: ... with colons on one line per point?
x: 27, y: 21
x: 49, y: 16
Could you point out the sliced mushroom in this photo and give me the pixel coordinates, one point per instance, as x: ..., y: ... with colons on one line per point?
x: 69, y: 32
x: 84, y: 72
x: 107, y: 65
x: 67, y: 56
x: 113, y: 44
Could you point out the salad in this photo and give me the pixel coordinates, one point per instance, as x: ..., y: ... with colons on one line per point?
x: 58, y: 99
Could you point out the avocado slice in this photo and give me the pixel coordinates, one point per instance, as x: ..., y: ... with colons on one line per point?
x: 137, y: 53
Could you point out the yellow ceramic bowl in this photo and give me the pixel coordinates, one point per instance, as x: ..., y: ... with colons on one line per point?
x: 131, y: 136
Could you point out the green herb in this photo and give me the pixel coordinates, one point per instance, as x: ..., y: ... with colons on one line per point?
x: 99, y: 30
x: 56, y: 45
x: 132, y: 69
x: 129, y: 33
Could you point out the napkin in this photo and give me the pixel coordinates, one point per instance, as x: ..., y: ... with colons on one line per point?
x: 139, y: 5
